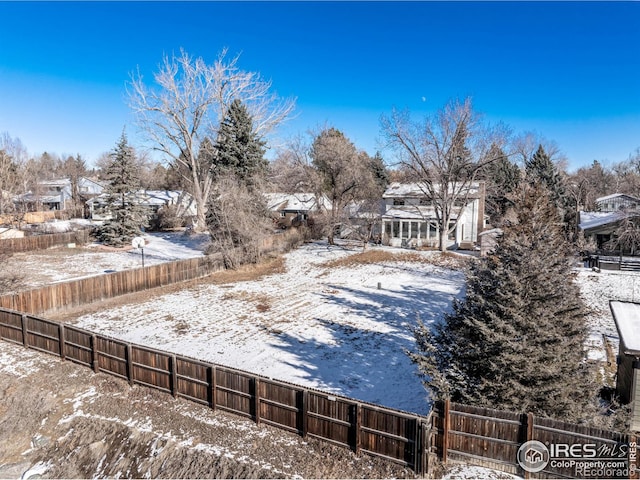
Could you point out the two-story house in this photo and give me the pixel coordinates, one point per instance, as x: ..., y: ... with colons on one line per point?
x: 410, y: 220
x: 57, y: 194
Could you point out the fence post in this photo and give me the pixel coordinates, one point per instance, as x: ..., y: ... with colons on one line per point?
x: 61, y: 337
x: 24, y: 330
x: 425, y: 444
x: 256, y: 399
x: 417, y: 457
x: 530, y: 423
x: 129, y: 363
x: 212, y: 387
x: 173, y: 368
x: 445, y: 429
x: 358, y: 427
x: 304, y: 407
x: 94, y: 353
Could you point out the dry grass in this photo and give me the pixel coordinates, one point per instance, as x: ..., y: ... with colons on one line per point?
x: 262, y: 301
x: 247, y: 273
x: 446, y: 259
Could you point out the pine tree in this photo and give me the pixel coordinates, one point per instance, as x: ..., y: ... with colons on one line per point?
x: 237, y: 217
x: 239, y: 150
x: 516, y: 341
x: 502, y: 178
x: 127, y: 216
x: 379, y: 170
x: 540, y: 171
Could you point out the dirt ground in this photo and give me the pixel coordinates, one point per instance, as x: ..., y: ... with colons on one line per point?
x: 60, y: 420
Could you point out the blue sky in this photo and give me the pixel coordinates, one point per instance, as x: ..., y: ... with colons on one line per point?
x: 569, y: 71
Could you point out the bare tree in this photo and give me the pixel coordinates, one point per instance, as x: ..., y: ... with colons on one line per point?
x: 187, y: 105
x: 626, y: 237
x: 344, y: 174
x: 292, y: 170
x: 12, y: 158
x: 238, y: 220
x: 444, y: 153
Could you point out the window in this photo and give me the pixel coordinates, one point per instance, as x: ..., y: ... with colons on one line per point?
x: 405, y: 229
x: 283, y: 214
x: 424, y: 229
x: 425, y: 202
x: 387, y: 229
x: 398, y: 201
x: 396, y: 229
x: 415, y: 228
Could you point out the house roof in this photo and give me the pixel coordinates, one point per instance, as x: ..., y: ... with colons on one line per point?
x: 397, y: 189
x: 297, y: 202
x: 617, y: 195
x: 593, y: 220
x: 626, y: 316
x: 146, y: 197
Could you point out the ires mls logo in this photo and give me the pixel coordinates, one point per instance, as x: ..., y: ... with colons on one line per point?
x: 588, y: 460
x: 533, y: 456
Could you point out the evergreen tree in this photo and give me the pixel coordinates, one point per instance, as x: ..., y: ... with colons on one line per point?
x: 239, y: 150
x: 516, y: 341
x: 540, y: 170
x: 379, y: 170
x: 237, y: 217
x: 502, y: 178
x: 128, y: 217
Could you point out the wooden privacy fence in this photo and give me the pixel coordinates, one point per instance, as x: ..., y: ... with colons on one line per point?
x: 60, y: 296
x: 383, y: 432
x: 64, y: 295
x: 452, y: 432
x: 492, y: 438
x: 42, y: 242
x: 36, y: 217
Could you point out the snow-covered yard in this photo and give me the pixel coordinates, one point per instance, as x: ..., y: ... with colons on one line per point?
x: 597, y: 289
x: 42, y: 267
x: 342, y: 329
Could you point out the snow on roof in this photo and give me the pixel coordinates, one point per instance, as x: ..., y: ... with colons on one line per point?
x: 616, y: 195
x: 627, y: 318
x: 294, y: 201
x: 397, y: 189
x: 597, y: 219
x: 147, y: 197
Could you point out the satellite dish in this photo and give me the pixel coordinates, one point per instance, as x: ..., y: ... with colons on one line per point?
x: 137, y: 242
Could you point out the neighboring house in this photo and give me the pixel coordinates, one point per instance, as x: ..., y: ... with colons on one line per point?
x: 56, y: 194
x: 410, y: 220
x: 599, y: 227
x: 617, y: 202
x: 294, y: 209
x: 626, y: 316
x: 98, y: 207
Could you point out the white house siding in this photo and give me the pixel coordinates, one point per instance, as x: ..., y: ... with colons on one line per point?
x: 415, y: 225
